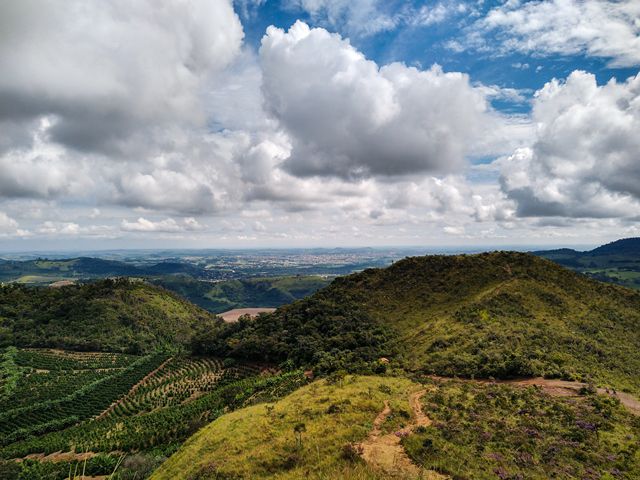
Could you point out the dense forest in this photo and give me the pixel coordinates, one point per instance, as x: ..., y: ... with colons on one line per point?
x: 249, y: 292
x: 497, y: 315
x: 107, y: 315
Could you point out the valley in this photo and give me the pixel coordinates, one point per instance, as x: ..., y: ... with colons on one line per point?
x: 440, y: 367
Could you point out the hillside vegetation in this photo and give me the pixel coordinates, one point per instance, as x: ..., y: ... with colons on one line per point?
x: 107, y: 315
x: 308, y: 434
x: 466, y: 431
x: 501, y: 314
x: 493, y: 431
x: 616, y: 262
x: 63, y: 407
x: 250, y: 292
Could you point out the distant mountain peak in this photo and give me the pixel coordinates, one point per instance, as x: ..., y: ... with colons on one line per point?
x: 622, y: 246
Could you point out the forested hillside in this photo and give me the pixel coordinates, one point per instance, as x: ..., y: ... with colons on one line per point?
x: 107, y: 315
x: 250, y: 292
x: 499, y: 314
x: 616, y: 262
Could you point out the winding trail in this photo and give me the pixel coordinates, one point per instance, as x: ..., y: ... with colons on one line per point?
x: 559, y: 388
x: 385, y: 453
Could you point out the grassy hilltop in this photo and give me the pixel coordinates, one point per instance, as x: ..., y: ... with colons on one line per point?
x: 451, y: 430
x: 501, y: 314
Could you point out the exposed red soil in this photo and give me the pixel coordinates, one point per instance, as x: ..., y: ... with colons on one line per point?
x: 385, y: 453
x: 233, y: 315
x: 561, y: 388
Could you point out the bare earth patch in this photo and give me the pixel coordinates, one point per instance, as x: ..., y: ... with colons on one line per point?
x: 561, y: 388
x: 385, y: 453
x: 233, y: 315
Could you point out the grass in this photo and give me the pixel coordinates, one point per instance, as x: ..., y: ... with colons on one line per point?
x: 40, y: 279
x: 260, y: 441
x: 478, y: 432
x: 506, y: 432
x: 500, y: 314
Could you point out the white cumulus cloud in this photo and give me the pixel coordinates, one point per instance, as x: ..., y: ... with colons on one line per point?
x: 585, y: 161
x: 167, y: 225
x: 349, y: 118
x: 597, y: 28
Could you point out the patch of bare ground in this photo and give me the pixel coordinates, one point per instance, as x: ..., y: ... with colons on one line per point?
x: 385, y: 453
x: 561, y: 388
x: 233, y: 315
x: 62, y: 456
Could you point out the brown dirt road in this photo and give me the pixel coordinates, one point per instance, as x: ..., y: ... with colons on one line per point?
x: 385, y: 453
x: 560, y: 388
x: 233, y: 315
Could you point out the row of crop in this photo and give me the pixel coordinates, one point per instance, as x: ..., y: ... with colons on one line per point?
x: 10, y: 372
x: 179, y: 380
x: 58, y: 360
x: 88, y: 401
x: 36, y: 387
x: 161, y: 427
x: 167, y: 396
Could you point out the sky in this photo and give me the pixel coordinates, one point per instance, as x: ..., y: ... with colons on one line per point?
x: 311, y: 123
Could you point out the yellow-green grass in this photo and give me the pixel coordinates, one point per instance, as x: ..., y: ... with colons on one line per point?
x: 259, y: 441
x: 39, y: 279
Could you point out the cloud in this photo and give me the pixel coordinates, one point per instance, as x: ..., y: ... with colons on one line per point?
x: 349, y: 118
x: 436, y: 13
x: 596, y: 28
x: 361, y: 18
x: 584, y: 162
x: 110, y: 71
x: 7, y: 224
x: 168, y: 225
x: 41, y: 171
x: 59, y: 228
x: 356, y: 17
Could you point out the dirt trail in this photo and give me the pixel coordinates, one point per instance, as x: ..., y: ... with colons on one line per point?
x: 385, y: 452
x: 134, y: 388
x: 561, y: 388
x: 59, y: 457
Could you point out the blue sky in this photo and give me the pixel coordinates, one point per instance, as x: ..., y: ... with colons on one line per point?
x: 253, y: 123
x: 424, y: 45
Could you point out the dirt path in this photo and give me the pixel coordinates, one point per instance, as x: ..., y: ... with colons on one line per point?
x: 59, y: 457
x: 134, y: 388
x: 385, y: 452
x: 233, y: 315
x: 561, y: 388
x: 567, y: 388
x: 64, y: 456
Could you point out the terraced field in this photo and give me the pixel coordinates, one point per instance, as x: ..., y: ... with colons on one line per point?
x: 56, y: 401
x: 178, y: 381
x: 59, y: 360
x: 74, y: 387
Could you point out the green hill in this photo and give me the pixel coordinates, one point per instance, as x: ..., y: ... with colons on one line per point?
x: 45, y: 271
x: 616, y: 262
x: 500, y: 314
x: 106, y: 315
x: 625, y: 246
x: 359, y: 428
x: 249, y: 292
